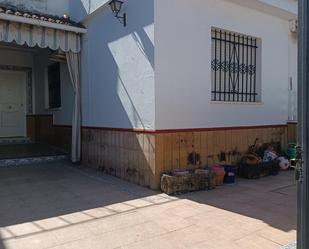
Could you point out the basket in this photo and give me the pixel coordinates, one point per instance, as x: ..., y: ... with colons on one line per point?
x: 175, y: 184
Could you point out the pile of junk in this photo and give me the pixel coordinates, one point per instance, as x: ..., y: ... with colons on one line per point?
x: 259, y: 161
x: 267, y: 159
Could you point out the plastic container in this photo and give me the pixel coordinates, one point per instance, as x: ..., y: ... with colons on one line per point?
x: 230, y: 176
x: 220, y: 174
x: 291, y: 151
x: 220, y: 178
x: 217, y: 168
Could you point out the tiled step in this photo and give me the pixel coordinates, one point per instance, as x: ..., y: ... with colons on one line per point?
x: 32, y: 160
x: 14, y: 140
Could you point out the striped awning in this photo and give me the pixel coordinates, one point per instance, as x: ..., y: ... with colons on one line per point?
x: 40, y: 35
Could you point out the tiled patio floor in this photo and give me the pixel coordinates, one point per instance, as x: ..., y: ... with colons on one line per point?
x: 60, y: 207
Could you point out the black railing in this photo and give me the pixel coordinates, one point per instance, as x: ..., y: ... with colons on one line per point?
x: 234, y: 67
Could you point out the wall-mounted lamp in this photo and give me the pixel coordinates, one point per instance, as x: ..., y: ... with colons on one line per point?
x: 116, y: 6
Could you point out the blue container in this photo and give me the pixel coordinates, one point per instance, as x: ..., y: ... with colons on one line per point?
x: 230, y: 174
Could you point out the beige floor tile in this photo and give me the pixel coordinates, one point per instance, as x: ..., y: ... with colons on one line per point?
x: 37, y: 241
x: 77, y: 217
x: 172, y: 222
x: 256, y: 242
x: 23, y: 229
x: 71, y: 233
x: 51, y: 223
x: 138, y: 203
x: 155, y: 243
x: 5, y: 233
x: 120, y: 207
x: 277, y: 235
x: 216, y: 244
x: 116, y: 222
x: 99, y: 212
x: 117, y: 238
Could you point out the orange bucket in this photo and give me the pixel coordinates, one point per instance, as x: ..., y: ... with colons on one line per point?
x: 219, y: 178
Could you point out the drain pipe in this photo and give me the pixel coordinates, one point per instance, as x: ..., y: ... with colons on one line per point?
x: 302, y: 171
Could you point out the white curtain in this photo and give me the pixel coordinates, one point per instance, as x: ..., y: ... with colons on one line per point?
x: 73, y: 61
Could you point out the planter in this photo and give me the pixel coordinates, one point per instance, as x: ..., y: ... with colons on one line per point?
x: 176, y: 184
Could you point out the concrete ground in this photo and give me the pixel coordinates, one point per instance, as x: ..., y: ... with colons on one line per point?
x: 61, y: 207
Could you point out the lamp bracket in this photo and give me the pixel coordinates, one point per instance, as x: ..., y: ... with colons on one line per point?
x: 122, y: 19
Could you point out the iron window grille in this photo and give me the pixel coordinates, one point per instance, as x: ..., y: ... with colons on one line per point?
x: 54, y: 86
x: 234, y: 67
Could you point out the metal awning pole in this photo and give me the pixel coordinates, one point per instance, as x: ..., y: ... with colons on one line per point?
x: 303, y: 130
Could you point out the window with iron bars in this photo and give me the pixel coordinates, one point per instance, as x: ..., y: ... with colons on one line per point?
x: 235, y: 67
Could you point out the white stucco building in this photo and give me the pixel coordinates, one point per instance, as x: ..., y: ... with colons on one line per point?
x: 182, y: 77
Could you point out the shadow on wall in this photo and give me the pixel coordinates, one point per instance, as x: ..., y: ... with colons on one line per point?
x: 120, y: 93
x: 79, y: 9
x: 123, y: 74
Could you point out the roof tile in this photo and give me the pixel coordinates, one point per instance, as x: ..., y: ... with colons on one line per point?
x: 20, y: 11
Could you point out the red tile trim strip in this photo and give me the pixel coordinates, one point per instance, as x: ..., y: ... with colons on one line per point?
x: 178, y: 130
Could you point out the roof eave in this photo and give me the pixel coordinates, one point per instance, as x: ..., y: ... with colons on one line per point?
x: 41, y: 23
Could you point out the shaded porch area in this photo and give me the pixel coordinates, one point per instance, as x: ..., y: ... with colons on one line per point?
x: 27, y: 123
x: 39, y: 76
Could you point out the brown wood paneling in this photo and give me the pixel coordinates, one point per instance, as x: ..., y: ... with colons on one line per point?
x: 40, y: 129
x: 140, y: 157
x: 31, y: 127
x: 127, y: 155
x: 213, y: 146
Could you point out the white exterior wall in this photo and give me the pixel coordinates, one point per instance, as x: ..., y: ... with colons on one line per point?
x: 120, y: 87
x: 53, y: 7
x: 286, y: 9
x: 183, y: 64
x: 118, y: 68
x: 289, y: 5
x: 80, y: 9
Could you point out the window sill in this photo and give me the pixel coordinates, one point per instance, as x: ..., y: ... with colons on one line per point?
x: 236, y: 103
